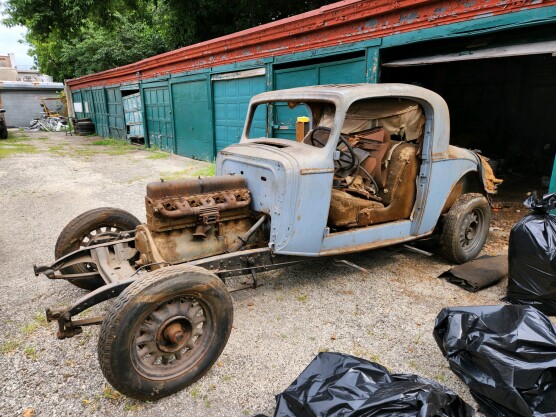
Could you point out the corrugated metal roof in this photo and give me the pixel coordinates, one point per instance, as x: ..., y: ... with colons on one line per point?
x: 340, y: 23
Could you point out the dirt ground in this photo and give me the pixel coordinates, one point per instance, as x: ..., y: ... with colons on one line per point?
x: 386, y: 315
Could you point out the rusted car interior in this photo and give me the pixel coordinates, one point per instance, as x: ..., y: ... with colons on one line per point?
x: 379, y: 158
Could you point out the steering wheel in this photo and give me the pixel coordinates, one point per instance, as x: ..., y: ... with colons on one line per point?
x: 347, y: 160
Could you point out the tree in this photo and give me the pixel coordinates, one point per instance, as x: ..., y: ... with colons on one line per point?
x: 70, y: 38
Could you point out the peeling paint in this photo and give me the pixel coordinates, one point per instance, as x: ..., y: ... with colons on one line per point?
x: 350, y: 21
x: 371, y: 23
x: 483, y: 15
x: 409, y: 17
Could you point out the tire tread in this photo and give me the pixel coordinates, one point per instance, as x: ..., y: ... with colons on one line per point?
x: 449, y: 238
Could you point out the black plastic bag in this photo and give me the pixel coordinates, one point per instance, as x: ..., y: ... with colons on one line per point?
x: 532, y: 257
x: 335, y: 385
x: 505, y: 354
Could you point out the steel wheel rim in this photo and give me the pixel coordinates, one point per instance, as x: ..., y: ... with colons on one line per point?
x: 472, y: 230
x: 157, y: 351
x: 96, y: 236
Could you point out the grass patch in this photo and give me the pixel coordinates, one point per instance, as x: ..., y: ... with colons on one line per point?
x: 110, y: 393
x: 168, y: 176
x: 41, y: 319
x: 207, y: 171
x: 9, y: 346
x: 31, y: 353
x: 16, y: 136
x: 29, y: 328
x: 114, y: 146
x: 441, y: 377
x: 133, y: 406
x: 194, y: 392
x: 10, y: 147
x: 303, y: 298
x: 159, y: 155
x: 108, y: 142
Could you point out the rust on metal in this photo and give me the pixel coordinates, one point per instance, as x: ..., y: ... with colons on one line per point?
x: 192, y: 218
x: 340, y: 23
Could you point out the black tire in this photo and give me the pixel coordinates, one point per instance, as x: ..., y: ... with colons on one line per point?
x: 140, y: 350
x: 85, y: 127
x: 465, y: 228
x: 81, y: 232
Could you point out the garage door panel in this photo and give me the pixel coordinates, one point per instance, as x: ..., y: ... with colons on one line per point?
x: 231, y: 98
x: 193, y: 119
x: 339, y: 72
x: 159, y: 117
x: 116, y: 122
x: 343, y: 73
x: 296, y: 78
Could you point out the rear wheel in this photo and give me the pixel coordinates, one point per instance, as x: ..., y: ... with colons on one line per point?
x: 91, y: 228
x: 465, y: 228
x: 165, y: 331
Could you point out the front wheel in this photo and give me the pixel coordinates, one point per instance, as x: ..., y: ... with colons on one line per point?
x: 466, y: 227
x: 165, y: 331
x: 91, y: 228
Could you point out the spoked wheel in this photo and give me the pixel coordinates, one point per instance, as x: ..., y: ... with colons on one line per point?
x: 92, y: 228
x: 466, y: 228
x: 165, y: 331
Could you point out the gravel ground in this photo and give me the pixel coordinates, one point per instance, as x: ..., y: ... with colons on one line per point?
x: 386, y: 315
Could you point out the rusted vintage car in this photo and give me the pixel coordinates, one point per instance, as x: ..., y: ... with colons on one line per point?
x: 371, y: 167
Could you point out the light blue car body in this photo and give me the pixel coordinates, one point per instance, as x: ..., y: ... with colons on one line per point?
x: 292, y: 181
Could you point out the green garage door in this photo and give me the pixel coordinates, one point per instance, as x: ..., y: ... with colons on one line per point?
x: 77, y: 100
x: 116, y: 123
x: 337, y: 72
x: 88, y: 108
x: 193, y: 119
x: 101, y: 112
x: 231, y: 99
x: 158, y: 114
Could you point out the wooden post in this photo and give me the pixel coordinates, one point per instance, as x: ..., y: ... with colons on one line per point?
x: 301, y: 128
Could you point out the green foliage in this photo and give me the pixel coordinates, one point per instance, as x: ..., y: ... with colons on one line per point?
x: 71, y: 38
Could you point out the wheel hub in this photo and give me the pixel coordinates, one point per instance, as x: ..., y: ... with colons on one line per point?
x: 174, y: 334
x: 169, y: 337
x: 471, y: 230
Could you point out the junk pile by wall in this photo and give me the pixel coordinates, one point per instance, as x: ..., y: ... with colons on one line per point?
x: 505, y: 354
x: 53, y: 117
x: 335, y: 385
x: 532, y: 256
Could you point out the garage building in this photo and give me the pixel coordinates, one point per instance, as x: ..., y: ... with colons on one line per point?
x: 493, y: 62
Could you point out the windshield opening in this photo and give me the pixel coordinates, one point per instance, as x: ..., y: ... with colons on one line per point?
x: 291, y: 120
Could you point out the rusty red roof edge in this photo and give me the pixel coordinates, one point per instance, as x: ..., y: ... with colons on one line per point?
x: 344, y: 22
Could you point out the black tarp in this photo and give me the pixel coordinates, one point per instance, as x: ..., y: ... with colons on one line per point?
x: 532, y: 257
x: 505, y: 354
x: 337, y: 385
x: 479, y: 273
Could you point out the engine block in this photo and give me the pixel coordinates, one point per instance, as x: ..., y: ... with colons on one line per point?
x: 193, y: 218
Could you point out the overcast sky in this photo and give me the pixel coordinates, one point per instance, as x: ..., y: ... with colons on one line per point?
x: 9, y: 38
